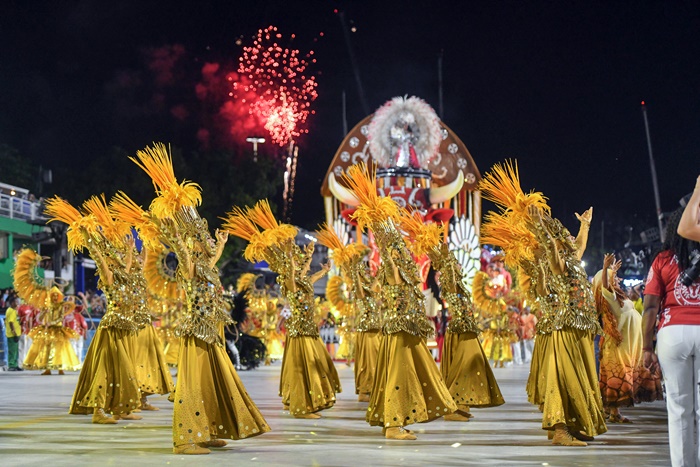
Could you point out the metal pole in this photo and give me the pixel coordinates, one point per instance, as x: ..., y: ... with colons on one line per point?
x: 654, y: 180
x: 345, y: 116
x: 440, y: 104
x: 353, y: 61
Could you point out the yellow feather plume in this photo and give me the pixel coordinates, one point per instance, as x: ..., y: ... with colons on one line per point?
x: 114, y: 230
x: 246, y: 282
x: 262, y: 215
x: 373, y: 208
x: 58, y: 209
x: 126, y: 210
x: 421, y: 237
x: 502, y: 186
x: 157, y: 163
x: 26, y: 281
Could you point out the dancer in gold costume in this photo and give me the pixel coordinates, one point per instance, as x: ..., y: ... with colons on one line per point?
x: 107, y: 381
x: 308, y: 381
x: 464, y: 364
x: 211, y: 403
x: 51, y: 348
x: 146, y: 351
x: 408, y: 387
x: 363, y: 288
x: 624, y: 380
x: 572, y: 410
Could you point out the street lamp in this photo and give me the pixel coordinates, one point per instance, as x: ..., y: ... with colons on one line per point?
x: 255, y: 140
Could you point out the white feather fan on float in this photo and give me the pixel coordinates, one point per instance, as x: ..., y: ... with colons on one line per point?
x: 401, y: 128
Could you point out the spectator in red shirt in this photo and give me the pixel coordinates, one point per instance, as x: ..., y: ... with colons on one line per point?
x: 677, y: 307
x: 76, y: 322
x: 28, y: 318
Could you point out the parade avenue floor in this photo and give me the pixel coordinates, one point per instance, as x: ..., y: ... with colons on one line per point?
x: 35, y: 429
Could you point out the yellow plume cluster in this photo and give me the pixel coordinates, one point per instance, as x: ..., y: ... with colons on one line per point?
x: 373, y: 208
x: 114, y: 230
x: 58, y: 209
x: 246, y: 282
x: 420, y: 237
x: 242, y: 223
x: 26, y: 281
x: 502, y: 186
x: 509, y: 228
x: 126, y: 210
x: 158, y: 164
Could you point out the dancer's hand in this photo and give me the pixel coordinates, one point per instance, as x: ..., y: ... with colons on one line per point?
x: 586, y: 217
x: 650, y: 360
x: 608, y: 260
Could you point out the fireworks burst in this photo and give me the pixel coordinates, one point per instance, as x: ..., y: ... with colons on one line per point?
x: 276, y: 85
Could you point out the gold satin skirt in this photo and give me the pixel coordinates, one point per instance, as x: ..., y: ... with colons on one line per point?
x: 309, y: 380
x: 467, y: 372
x: 149, y: 361
x: 107, y: 379
x: 408, y: 387
x: 572, y: 393
x: 273, y: 343
x: 51, y: 349
x: 210, y: 400
x: 171, y: 344
x: 366, y: 353
x: 537, y: 380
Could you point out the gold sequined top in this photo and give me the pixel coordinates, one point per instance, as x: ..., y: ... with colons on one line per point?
x: 142, y: 316
x: 120, y: 301
x: 367, y: 311
x: 453, y: 291
x: 403, y: 303
x: 206, y: 309
x: 569, y: 303
x: 301, y: 299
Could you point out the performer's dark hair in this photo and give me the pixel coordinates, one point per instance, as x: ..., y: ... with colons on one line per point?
x: 681, y: 247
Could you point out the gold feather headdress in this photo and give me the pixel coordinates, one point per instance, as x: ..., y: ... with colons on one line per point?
x: 237, y: 223
x: 373, y: 208
x: 421, y: 237
x: 114, y: 230
x: 126, y: 210
x: 58, y: 209
x: 172, y: 196
x: 274, y: 232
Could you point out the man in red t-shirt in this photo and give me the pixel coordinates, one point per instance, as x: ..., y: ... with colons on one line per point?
x: 76, y: 322
x: 27, y: 320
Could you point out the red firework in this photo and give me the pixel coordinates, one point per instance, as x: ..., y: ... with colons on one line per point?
x: 278, y: 79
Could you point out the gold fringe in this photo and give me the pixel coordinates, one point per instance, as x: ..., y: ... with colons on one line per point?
x: 158, y: 164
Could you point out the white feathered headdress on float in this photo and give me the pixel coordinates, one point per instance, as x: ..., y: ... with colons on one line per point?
x: 404, y: 119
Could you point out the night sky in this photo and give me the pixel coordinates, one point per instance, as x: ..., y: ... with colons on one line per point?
x: 557, y: 85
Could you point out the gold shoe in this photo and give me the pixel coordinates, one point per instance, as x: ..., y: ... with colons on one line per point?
x: 128, y: 416
x: 307, y: 415
x: 190, y: 449
x: 147, y: 406
x: 398, y: 432
x: 562, y: 437
x: 364, y: 397
x: 581, y: 436
x: 100, y: 417
x: 213, y: 443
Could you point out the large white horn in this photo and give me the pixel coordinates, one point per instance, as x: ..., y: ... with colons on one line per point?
x: 341, y: 193
x: 446, y: 192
